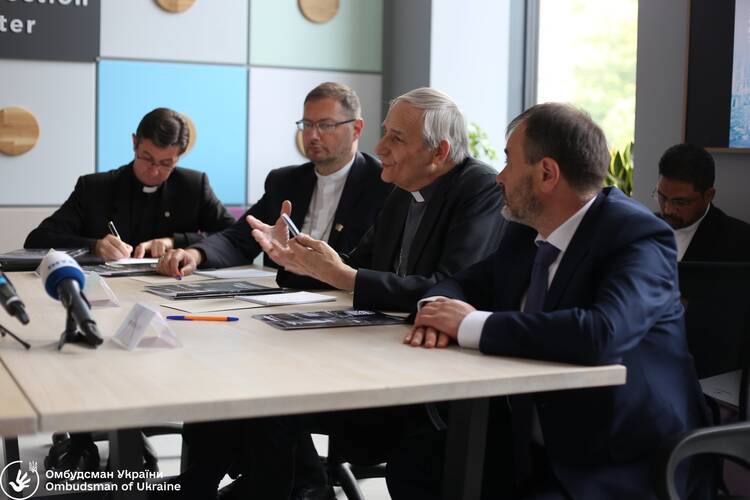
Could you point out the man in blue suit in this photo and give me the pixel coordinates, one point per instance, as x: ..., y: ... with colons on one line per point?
x: 584, y: 275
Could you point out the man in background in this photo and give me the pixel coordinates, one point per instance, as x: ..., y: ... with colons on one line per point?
x: 335, y: 197
x: 685, y: 194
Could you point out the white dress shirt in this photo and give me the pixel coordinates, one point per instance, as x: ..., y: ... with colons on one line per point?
x: 684, y: 235
x: 324, y: 202
x: 470, y: 329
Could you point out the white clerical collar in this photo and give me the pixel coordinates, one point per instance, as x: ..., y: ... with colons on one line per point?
x: 338, y: 174
x: 692, y: 228
x: 417, y: 196
x: 150, y: 189
x: 560, y: 238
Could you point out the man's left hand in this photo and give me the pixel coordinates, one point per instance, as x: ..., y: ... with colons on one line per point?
x: 156, y: 247
x: 437, y: 319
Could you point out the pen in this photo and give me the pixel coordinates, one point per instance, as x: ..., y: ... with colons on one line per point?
x: 113, y: 230
x: 190, y: 317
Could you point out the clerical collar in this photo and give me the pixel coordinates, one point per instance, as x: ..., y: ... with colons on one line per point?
x: 338, y: 174
x: 150, y: 189
x: 424, y: 194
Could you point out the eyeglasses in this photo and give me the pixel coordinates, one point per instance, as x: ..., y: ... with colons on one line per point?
x: 163, y: 165
x: 323, y: 127
x: 675, y: 202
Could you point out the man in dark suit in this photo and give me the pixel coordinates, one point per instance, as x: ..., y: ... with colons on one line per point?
x: 443, y: 215
x: 336, y: 196
x: 584, y: 276
x: 154, y: 204
x: 685, y: 193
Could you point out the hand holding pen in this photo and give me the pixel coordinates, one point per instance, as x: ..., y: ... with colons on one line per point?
x: 111, y: 247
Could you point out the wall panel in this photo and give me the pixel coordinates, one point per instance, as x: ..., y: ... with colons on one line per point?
x: 61, y: 96
x: 352, y: 41
x: 210, y: 31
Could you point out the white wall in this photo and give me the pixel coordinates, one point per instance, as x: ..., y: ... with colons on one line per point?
x: 660, y: 106
x: 469, y: 60
x: 17, y: 223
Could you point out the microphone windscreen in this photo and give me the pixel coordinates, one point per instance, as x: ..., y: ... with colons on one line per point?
x: 56, y: 267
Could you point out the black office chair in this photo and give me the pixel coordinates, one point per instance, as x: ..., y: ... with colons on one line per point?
x: 717, y: 319
x: 730, y: 441
x: 346, y: 475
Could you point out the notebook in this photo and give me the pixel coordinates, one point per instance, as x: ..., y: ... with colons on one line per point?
x: 328, y: 319
x: 209, y: 288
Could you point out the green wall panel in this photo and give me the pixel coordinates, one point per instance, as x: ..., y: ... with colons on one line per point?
x: 352, y: 41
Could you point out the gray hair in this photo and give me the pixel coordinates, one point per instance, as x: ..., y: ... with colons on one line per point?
x: 441, y: 120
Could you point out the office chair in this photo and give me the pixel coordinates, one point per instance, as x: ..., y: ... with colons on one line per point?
x: 717, y: 320
x: 346, y: 475
x: 731, y: 441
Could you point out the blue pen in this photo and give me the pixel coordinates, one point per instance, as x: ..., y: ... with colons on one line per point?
x: 190, y: 317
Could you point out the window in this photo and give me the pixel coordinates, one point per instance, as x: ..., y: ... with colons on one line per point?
x: 586, y: 56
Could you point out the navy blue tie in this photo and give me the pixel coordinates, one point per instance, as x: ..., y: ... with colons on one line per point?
x: 522, y: 404
x: 546, y: 254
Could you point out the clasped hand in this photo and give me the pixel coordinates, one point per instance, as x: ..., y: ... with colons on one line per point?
x: 437, y: 323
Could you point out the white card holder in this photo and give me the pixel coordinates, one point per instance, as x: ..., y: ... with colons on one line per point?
x: 98, y: 292
x: 145, y: 327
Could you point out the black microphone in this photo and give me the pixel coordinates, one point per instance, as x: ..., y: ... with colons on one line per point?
x: 10, y: 301
x: 63, y: 280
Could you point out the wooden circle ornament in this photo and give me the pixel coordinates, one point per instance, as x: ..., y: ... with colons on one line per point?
x: 19, y: 131
x: 319, y: 11
x: 193, y: 132
x: 299, y: 143
x: 175, y: 6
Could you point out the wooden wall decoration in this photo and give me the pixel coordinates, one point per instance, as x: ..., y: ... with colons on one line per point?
x: 19, y: 131
x: 298, y: 142
x: 319, y: 11
x: 175, y: 6
x: 193, y: 132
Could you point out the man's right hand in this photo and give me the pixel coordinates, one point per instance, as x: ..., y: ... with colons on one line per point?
x: 112, y: 248
x: 180, y: 262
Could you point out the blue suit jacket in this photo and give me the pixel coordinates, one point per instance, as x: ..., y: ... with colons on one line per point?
x: 613, y: 299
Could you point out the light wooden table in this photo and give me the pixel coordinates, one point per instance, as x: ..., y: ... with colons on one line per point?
x: 17, y: 416
x: 249, y: 369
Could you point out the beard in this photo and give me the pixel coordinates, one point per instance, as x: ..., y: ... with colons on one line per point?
x: 523, y: 207
x: 675, y: 222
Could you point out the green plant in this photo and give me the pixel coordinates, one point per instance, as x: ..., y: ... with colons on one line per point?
x: 621, y: 169
x: 479, y: 143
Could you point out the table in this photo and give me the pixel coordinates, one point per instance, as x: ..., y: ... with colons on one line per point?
x: 249, y: 369
x: 17, y: 416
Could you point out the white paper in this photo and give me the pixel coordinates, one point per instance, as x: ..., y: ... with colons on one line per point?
x: 236, y: 273
x: 282, y: 299
x: 133, y: 262
x: 161, y: 280
x: 208, y: 305
x: 140, y: 321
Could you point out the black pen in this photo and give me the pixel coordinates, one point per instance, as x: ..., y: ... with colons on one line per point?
x: 113, y: 230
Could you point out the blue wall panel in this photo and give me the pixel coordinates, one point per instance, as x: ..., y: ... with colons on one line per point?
x: 213, y: 96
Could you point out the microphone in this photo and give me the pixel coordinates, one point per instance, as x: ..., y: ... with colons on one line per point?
x: 64, y: 281
x: 10, y: 301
